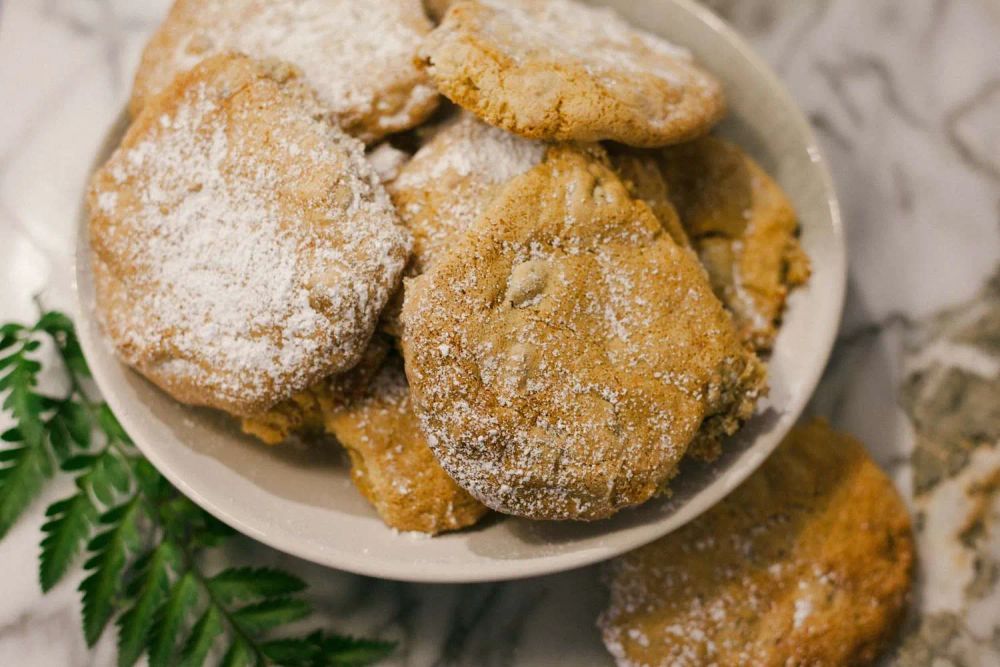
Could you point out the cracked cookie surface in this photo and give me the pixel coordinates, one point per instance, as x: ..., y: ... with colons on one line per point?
x: 391, y: 463
x: 808, y: 562
x: 244, y: 249
x: 744, y: 229
x: 356, y: 54
x: 560, y: 70
x: 565, y: 353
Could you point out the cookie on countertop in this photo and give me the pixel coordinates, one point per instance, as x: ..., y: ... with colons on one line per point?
x: 358, y: 55
x: 449, y: 182
x: 254, y: 243
x: 565, y: 352
x: 559, y: 70
x: 391, y: 463
x: 744, y: 229
x: 809, y: 562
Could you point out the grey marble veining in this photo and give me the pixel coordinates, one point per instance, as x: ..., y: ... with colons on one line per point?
x: 905, y: 96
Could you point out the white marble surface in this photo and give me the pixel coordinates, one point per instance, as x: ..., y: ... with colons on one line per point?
x: 905, y: 95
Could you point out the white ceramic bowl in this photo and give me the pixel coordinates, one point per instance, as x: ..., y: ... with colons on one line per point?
x: 300, y: 500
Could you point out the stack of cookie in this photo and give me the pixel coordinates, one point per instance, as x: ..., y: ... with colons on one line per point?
x: 537, y: 297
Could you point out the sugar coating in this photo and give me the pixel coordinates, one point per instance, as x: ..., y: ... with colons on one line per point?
x: 356, y: 54
x: 809, y: 562
x: 564, y: 353
x: 387, y: 161
x: 449, y: 182
x: 244, y: 249
x: 743, y: 227
x: 562, y: 70
x: 391, y: 463
x: 304, y: 414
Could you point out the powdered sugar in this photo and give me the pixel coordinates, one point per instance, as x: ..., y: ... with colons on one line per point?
x: 468, y: 147
x: 595, y: 42
x: 253, y: 274
x: 556, y: 309
x: 451, y: 180
x: 357, y: 54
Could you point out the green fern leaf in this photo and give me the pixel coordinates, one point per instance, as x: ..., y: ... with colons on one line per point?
x: 246, y: 583
x: 270, y: 614
x: 151, y: 584
x: 292, y: 651
x: 61, y: 329
x: 202, y: 636
x: 110, y: 551
x: 239, y: 655
x: 77, y: 422
x: 21, y: 482
x: 341, y: 651
x: 69, y: 524
x: 321, y: 649
x: 170, y: 620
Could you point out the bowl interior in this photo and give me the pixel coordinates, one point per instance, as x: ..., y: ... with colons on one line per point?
x: 300, y: 499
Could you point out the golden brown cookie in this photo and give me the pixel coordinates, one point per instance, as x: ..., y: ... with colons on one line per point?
x: 391, y: 463
x: 304, y: 413
x: 809, y: 562
x: 744, y: 229
x: 358, y: 55
x: 562, y: 70
x: 641, y: 174
x: 446, y: 186
x: 254, y: 243
x: 564, y: 353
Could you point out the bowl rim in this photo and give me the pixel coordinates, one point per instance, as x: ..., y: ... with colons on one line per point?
x: 429, y: 572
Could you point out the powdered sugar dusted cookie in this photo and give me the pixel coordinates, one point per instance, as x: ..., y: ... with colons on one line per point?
x: 809, y: 562
x: 743, y: 227
x: 565, y: 351
x: 357, y: 54
x: 640, y: 172
x: 562, y: 70
x: 304, y: 413
x: 391, y: 463
x: 449, y: 182
x: 254, y: 242
x: 387, y: 161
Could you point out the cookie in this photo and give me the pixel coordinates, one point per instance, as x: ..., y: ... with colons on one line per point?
x: 744, y: 229
x: 254, y: 242
x: 640, y: 172
x: 304, y: 413
x: 809, y: 562
x: 358, y: 55
x: 387, y: 161
x: 391, y: 463
x: 559, y: 70
x: 565, y: 351
x: 445, y: 187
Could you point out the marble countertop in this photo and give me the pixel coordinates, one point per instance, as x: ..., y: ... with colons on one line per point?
x: 905, y: 97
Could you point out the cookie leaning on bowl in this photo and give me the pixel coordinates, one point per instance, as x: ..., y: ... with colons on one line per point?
x: 743, y: 227
x: 565, y: 352
x: 391, y: 463
x: 243, y: 249
x: 356, y: 54
x: 809, y: 562
x: 559, y: 70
